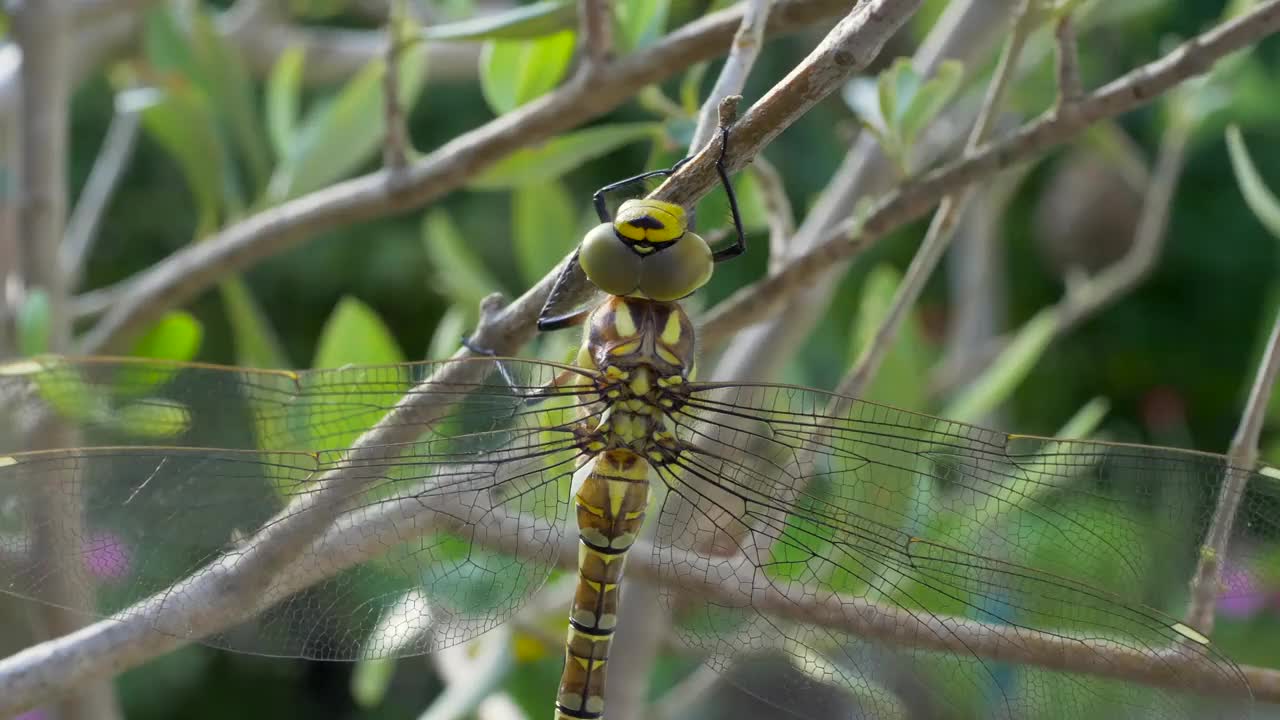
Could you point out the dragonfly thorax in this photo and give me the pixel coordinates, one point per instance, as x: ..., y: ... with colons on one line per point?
x: 643, y: 350
x: 647, y: 251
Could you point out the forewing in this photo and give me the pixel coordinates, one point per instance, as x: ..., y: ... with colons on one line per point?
x: 931, y: 567
x: 451, y: 498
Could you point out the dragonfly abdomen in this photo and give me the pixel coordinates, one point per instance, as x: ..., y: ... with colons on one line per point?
x: 611, y: 499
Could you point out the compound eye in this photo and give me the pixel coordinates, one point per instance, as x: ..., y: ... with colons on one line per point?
x: 677, y: 270
x: 607, y: 261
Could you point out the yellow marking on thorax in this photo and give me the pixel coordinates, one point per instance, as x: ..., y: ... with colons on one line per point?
x: 671, y: 333
x: 623, y: 321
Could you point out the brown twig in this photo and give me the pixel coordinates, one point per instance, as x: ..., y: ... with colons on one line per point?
x: 395, y: 150
x: 737, y: 68
x: 1070, y: 89
x: 964, y: 32
x: 1244, y: 454
x: 195, y: 268
x: 595, y: 22
x: 108, y: 167
x: 777, y: 207
x: 42, y: 30
x: 939, y: 235
x: 1132, y: 90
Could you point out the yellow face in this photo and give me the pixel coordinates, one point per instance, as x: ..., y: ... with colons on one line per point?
x: 648, y: 251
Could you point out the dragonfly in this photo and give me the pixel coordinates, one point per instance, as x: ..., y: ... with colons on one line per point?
x: 916, y: 565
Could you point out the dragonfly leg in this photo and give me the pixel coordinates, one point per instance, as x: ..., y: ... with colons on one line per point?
x: 469, y: 344
x: 548, y: 321
x: 739, y: 245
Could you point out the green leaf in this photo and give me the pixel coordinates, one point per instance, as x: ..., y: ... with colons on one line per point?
x: 179, y: 117
x: 1259, y: 198
x: 928, y: 100
x: 546, y: 227
x: 459, y: 274
x: 176, y: 336
x: 284, y: 97
x: 33, y: 323
x: 370, y: 680
x: 340, y: 136
x: 641, y: 22
x: 561, y: 154
x: 526, y: 21
x: 355, y: 335
x: 256, y: 341
x: 445, y: 340
x: 229, y: 84
x: 898, y: 381
x: 153, y: 418
x: 1007, y: 371
x: 513, y: 72
x: 1086, y: 420
x: 862, y: 96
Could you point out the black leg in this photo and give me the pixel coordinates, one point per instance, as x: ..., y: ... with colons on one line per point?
x: 546, y: 320
x: 598, y: 198
x: 740, y: 244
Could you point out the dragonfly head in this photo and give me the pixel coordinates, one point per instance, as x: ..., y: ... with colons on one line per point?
x: 647, y: 251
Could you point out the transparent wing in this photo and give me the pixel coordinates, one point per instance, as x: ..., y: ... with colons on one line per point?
x: 935, y: 569
x: 452, y: 498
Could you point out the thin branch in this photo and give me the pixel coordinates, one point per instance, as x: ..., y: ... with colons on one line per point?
x: 850, y: 46
x: 1205, y: 584
x: 108, y: 168
x: 777, y: 207
x: 938, y: 238
x: 395, y: 151
x: 1132, y: 90
x: 1070, y: 89
x: 1085, y: 299
x: 737, y: 68
x: 595, y: 22
x: 188, y: 272
x: 42, y: 30
x: 964, y: 32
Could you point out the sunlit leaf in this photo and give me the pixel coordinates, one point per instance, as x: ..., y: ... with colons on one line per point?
x: 33, y: 323
x: 457, y: 273
x: 355, y: 335
x: 1007, y: 371
x: 284, y: 97
x: 257, y: 343
x: 176, y: 336
x: 154, y: 418
x: 1259, y: 198
x: 561, y: 154
x: 513, y: 72
x: 346, y: 132
x: 545, y: 219
x: 641, y: 22
x: 525, y: 21
x: 232, y: 90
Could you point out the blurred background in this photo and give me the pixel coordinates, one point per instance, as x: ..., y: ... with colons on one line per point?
x: 223, y: 109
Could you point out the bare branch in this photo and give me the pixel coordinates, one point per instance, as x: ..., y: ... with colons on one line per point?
x: 737, y: 68
x: 1132, y: 90
x: 940, y: 232
x: 1244, y: 454
x: 113, y: 158
x: 850, y: 46
x: 596, y: 31
x: 1068, y: 64
x: 395, y: 151
x: 777, y: 207
x: 964, y: 32
x: 197, y: 267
